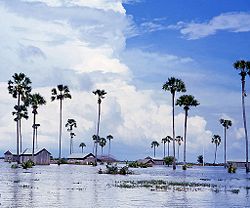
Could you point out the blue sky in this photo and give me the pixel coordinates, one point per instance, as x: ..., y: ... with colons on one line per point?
x: 129, y: 48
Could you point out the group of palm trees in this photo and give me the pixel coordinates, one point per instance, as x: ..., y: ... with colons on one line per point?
x: 20, y: 88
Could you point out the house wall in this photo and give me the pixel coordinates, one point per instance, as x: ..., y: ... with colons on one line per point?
x: 43, y: 158
x: 8, y: 158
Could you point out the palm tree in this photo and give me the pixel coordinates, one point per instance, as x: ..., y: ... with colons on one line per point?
x: 71, y: 123
x: 102, y: 143
x: 226, y: 124
x: 110, y: 137
x: 244, y: 67
x: 153, y: 145
x: 100, y: 95
x: 216, y: 140
x: 82, y: 145
x: 186, y: 101
x: 60, y: 93
x: 174, y: 85
x: 21, y: 112
x: 164, y: 141
x: 35, y: 100
x: 179, y: 139
x: 36, y: 127
x: 96, y: 140
x: 19, y: 88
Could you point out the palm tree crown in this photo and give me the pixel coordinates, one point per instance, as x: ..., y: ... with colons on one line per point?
x: 100, y: 94
x: 82, y: 145
x: 174, y: 85
x: 60, y: 93
x: 226, y: 123
x: 70, y: 124
x: 216, y: 139
x: 187, y: 101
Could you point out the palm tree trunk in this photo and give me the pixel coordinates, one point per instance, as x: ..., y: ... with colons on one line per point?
x: 109, y: 145
x: 20, y: 136
x: 33, y: 140
x: 164, y: 149
x: 178, y: 151
x: 168, y: 149
x: 244, y: 120
x: 36, y: 138
x: 154, y: 151
x: 97, y: 130
x: 60, y: 131
x: 70, y: 146
x: 174, y: 163
x: 215, y: 153
x: 225, y: 147
x: 185, y: 136
x: 18, y: 130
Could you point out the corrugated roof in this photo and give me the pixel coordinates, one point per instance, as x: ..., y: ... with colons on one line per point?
x: 79, y: 155
x: 28, y: 151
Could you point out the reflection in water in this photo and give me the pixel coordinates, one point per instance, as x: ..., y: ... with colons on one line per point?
x: 80, y: 186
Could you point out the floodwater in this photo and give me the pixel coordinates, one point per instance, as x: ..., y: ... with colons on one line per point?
x: 73, y: 186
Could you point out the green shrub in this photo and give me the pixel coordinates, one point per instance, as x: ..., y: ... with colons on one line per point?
x: 231, y: 169
x: 169, y: 160
x: 28, y: 164
x: 184, y: 167
x: 62, y: 161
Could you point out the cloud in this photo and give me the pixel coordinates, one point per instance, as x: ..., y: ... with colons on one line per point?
x: 115, y: 5
x: 231, y: 22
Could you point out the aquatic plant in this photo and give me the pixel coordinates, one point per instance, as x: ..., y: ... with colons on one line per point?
x: 231, y: 169
x: 28, y: 164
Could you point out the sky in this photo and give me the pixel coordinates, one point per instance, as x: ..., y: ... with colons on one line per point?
x: 129, y: 48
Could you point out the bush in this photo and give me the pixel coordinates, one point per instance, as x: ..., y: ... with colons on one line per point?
x: 169, y: 160
x: 113, y: 169
x: 184, y: 167
x: 138, y: 165
x: 14, y: 166
x: 231, y: 169
x: 28, y: 164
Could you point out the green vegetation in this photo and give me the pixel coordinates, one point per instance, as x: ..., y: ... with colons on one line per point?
x: 138, y: 165
x: 114, y: 170
x: 169, y: 160
x: 62, y: 161
x: 231, y: 169
x: 200, y: 159
x: 28, y: 164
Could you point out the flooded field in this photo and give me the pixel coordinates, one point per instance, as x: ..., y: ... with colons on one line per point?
x: 81, y: 186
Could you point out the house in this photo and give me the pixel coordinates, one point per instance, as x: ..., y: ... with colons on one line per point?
x: 151, y: 161
x: 8, y: 156
x: 107, y: 159
x: 41, y: 156
x: 81, y: 158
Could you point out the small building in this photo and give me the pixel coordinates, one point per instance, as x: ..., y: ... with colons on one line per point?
x: 107, y: 159
x: 8, y: 156
x: 82, y: 158
x: 151, y: 161
x: 41, y: 156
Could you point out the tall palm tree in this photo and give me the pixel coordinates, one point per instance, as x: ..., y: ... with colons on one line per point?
x: 35, y: 100
x: 186, y: 101
x: 179, y: 139
x: 19, y: 88
x: 174, y: 85
x: 82, y: 145
x: 36, y: 127
x: 96, y: 140
x: 164, y: 141
x: 153, y: 145
x: 100, y: 95
x: 102, y: 143
x: 244, y: 67
x: 109, y: 138
x: 216, y: 140
x: 71, y: 123
x: 226, y: 124
x: 60, y: 93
